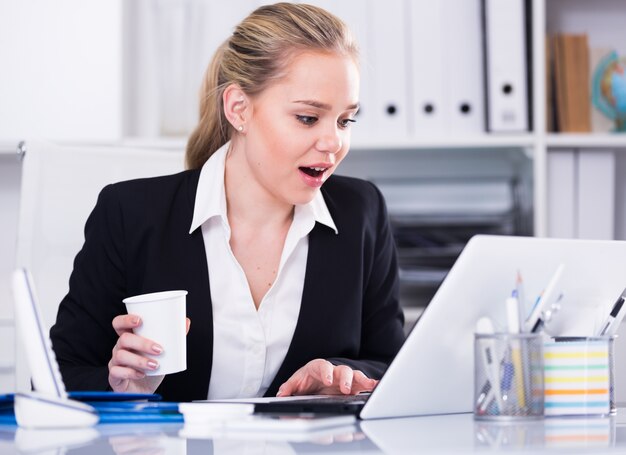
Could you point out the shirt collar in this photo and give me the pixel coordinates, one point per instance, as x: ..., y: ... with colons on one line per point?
x: 211, y: 197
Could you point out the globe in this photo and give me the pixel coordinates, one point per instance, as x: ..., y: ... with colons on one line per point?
x: 608, y: 89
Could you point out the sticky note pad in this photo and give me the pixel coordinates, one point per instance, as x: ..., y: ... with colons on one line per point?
x: 577, y: 377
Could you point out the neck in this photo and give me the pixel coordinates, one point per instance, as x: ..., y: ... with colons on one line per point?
x: 247, y: 200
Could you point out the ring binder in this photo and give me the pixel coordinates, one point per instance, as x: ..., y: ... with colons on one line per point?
x: 505, y: 73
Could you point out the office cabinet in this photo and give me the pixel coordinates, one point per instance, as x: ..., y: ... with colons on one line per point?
x: 598, y: 203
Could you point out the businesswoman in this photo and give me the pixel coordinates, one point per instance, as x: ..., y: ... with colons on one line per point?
x: 291, y: 273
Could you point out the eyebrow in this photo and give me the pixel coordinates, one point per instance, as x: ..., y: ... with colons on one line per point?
x: 324, y: 106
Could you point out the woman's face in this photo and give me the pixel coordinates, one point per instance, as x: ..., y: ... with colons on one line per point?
x: 299, y: 128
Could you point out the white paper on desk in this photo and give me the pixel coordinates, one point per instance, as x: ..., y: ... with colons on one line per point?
x: 290, y: 423
x: 263, y: 399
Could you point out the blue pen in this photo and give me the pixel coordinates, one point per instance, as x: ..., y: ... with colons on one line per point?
x: 519, y: 294
x: 508, y: 372
x: 534, y: 323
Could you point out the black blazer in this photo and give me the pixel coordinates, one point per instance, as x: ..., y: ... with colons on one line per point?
x: 137, y: 241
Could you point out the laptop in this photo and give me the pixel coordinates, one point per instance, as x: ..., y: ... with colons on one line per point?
x: 433, y: 373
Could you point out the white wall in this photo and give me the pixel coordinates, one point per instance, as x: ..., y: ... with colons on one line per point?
x: 61, y: 69
x: 60, y: 79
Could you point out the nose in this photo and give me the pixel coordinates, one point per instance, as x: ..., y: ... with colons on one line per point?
x: 330, y: 141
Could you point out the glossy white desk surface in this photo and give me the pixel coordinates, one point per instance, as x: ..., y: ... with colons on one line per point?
x: 452, y: 434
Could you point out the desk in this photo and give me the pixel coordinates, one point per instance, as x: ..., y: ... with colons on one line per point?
x: 424, y: 435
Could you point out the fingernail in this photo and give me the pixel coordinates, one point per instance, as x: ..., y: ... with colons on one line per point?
x: 141, y: 375
x: 329, y: 378
x: 136, y: 320
x: 279, y: 393
x: 152, y: 365
x: 347, y: 384
x: 156, y: 348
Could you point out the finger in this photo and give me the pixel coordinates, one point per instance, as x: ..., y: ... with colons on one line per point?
x: 130, y: 360
x: 188, y: 322
x: 131, y: 342
x: 296, y: 384
x: 361, y: 383
x: 322, y: 370
x: 119, y: 374
x: 118, y: 384
x: 303, y: 381
x: 311, y: 378
x: 125, y: 323
x: 343, y: 378
x: 288, y: 387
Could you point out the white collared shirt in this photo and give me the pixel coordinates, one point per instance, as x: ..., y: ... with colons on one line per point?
x: 249, y: 345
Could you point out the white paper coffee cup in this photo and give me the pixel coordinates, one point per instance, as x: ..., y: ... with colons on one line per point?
x: 163, y: 317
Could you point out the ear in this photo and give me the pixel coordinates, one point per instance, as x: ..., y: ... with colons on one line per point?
x: 236, y: 106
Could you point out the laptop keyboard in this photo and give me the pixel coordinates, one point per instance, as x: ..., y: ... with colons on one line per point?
x: 335, y: 404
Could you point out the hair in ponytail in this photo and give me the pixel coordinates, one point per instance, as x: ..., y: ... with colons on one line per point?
x: 256, y: 54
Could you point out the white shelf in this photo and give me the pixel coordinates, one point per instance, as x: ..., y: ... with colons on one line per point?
x: 586, y: 140
x: 423, y: 143
x: 9, y: 147
x: 164, y: 143
x: 449, y: 141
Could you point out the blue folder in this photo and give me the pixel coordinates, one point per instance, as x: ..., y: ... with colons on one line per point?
x: 113, y: 408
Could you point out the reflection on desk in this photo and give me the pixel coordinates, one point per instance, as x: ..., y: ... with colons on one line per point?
x: 423, y: 435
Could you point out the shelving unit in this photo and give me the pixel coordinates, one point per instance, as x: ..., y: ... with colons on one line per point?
x: 602, y: 21
x: 8, y: 148
x: 450, y: 142
x: 616, y: 142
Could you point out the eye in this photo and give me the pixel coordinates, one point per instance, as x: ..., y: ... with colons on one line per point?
x: 345, y: 123
x: 306, y: 119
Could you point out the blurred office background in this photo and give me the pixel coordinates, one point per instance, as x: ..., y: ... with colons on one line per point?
x: 128, y: 73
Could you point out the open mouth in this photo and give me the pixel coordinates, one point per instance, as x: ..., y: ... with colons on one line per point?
x: 313, y: 171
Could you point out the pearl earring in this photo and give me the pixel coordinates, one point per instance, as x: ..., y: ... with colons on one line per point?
x: 240, y: 128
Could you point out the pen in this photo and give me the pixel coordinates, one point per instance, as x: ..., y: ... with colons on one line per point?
x: 614, y: 318
x: 547, y: 315
x: 521, y: 307
x: 484, y: 397
x: 520, y: 295
x: 490, y: 363
x: 512, y: 313
x: 534, y: 323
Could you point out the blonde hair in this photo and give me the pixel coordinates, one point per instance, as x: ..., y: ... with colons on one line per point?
x: 256, y: 54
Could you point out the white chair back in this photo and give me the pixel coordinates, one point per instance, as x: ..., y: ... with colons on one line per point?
x: 60, y: 186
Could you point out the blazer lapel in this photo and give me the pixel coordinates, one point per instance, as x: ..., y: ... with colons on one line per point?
x: 193, y: 383
x: 312, y: 317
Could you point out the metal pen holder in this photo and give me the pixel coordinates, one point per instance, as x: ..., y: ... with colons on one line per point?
x: 508, y: 376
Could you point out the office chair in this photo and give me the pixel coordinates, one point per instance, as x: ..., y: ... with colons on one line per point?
x: 60, y: 186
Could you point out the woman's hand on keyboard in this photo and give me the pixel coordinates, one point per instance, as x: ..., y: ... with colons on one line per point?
x: 319, y: 376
